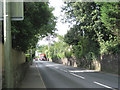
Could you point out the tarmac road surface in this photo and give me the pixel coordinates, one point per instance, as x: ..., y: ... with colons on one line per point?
x: 61, y: 76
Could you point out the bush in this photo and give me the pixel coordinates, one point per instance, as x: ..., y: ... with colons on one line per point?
x: 68, y: 54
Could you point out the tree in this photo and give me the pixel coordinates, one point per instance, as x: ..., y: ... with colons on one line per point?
x: 110, y: 16
x: 83, y: 35
x: 38, y: 22
x: 56, y: 50
x: 89, y: 28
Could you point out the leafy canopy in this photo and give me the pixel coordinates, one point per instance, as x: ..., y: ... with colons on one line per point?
x: 38, y: 22
x: 95, y: 26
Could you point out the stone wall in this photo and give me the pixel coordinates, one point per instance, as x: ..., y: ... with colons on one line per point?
x: 1, y: 58
x: 106, y: 63
x: 109, y: 63
x: 19, y: 65
x: 70, y: 62
x: 18, y: 58
x: 89, y: 64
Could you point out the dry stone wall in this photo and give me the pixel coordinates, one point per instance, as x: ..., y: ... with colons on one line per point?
x: 106, y: 63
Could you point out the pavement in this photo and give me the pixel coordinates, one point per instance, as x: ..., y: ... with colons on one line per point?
x: 0, y: 80
x: 32, y: 78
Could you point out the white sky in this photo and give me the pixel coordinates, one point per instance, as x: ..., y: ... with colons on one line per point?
x: 57, y: 4
x: 61, y: 27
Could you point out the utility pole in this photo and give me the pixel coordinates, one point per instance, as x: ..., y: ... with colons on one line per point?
x: 9, y: 81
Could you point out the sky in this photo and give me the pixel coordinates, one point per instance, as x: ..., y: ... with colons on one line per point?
x: 61, y: 27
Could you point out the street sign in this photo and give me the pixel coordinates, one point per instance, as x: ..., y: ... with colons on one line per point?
x: 1, y: 10
x: 16, y: 11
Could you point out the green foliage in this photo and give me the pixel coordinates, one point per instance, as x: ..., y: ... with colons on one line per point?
x: 27, y: 55
x: 84, y: 47
x: 42, y: 48
x: 82, y: 35
x: 72, y: 36
x: 91, y: 56
x: 109, y: 47
x: 110, y: 16
x: 57, y: 50
x: 68, y: 54
x: 94, y: 32
x: 38, y: 22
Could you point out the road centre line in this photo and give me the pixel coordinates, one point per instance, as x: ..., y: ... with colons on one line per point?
x: 78, y: 76
x: 104, y: 85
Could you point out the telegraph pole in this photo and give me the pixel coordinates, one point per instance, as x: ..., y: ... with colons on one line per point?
x: 9, y: 81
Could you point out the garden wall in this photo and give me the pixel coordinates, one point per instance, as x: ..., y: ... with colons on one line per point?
x: 106, y: 63
x: 19, y: 66
x: 109, y: 63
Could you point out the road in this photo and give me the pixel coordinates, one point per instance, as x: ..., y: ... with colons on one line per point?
x: 61, y: 76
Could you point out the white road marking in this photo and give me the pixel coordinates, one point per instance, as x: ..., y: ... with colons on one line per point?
x: 63, y: 70
x: 103, y: 85
x: 56, y: 67
x: 83, y: 71
x: 78, y: 76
